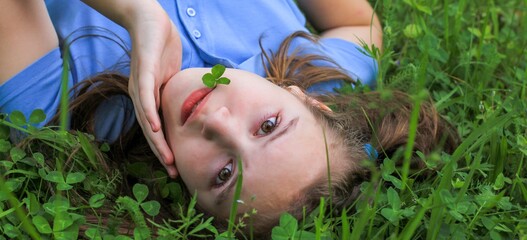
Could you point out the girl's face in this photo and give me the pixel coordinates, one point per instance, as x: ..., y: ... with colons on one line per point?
x: 279, y: 141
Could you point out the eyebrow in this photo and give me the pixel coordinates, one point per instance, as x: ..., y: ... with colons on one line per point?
x: 290, y: 125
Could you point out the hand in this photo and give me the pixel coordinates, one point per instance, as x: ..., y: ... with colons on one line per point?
x: 156, y: 57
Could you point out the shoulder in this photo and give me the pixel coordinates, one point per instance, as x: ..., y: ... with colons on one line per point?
x: 26, y: 34
x: 35, y: 87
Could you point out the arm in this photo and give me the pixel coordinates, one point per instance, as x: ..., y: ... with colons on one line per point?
x: 26, y: 34
x: 350, y: 20
x: 156, y: 57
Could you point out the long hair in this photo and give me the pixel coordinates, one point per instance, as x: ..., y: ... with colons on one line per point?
x: 357, y: 119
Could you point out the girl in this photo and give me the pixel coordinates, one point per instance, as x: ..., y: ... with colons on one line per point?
x: 280, y: 127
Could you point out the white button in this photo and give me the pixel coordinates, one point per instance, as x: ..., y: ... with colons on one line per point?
x: 196, y: 33
x: 191, y: 12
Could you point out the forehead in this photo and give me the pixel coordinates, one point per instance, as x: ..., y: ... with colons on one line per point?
x: 241, y: 82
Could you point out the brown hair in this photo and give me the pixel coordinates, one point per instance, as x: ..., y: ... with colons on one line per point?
x: 357, y: 119
x: 381, y: 120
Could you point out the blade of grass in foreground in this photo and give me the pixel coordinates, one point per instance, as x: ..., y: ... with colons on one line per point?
x: 409, y: 229
x: 64, y: 102
x: 437, y: 215
x: 483, y: 130
x: 366, y: 212
x: 237, y: 192
x: 345, y: 224
x: 64, y: 98
x: 414, y: 117
x: 411, y: 141
x: 476, y: 138
x: 319, y: 221
x: 20, y: 213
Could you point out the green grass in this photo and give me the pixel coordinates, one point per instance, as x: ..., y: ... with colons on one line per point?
x: 469, y: 56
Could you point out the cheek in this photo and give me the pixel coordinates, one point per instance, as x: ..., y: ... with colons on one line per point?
x: 169, y: 129
x: 184, y: 158
x: 190, y: 175
x: 191, y: 162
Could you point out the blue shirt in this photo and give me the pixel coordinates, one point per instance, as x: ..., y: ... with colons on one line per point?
x: 212, y: 32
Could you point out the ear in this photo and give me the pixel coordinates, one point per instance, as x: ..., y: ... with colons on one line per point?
x: 295, y: 90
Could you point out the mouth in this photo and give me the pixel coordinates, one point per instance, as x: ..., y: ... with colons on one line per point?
x: 194, y: 103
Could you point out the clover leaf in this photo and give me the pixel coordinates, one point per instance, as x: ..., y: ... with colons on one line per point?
x: 215, y: 77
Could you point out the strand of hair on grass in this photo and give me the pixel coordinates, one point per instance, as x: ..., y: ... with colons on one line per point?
x: 328, y: 170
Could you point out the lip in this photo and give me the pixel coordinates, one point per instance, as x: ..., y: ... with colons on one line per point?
x: 199, y: 97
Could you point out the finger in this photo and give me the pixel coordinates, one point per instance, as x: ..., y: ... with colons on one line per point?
x: 147, y: 101
x: 172, y: 171
x: 150, y: 108
x: 158, y: 142
x: 162, y: 151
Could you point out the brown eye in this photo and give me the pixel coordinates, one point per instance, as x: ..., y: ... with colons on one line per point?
x: 224, y: 174
x: 267, y: 126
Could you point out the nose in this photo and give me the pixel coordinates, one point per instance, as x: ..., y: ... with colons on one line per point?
x: 220, y: 126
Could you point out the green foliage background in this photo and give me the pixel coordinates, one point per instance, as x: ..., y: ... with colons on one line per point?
x: 468, y: 56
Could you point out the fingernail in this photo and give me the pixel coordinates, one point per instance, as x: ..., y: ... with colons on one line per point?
x: 153, y: 127
x: 172, y: 173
